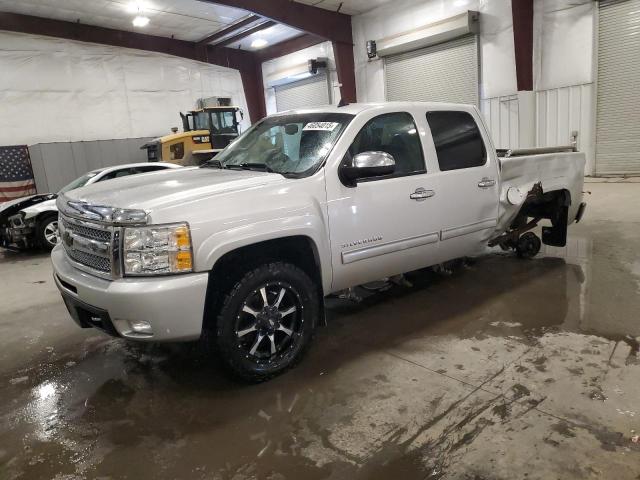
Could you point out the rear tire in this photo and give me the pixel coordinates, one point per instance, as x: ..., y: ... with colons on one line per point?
x: 528, y: 245
x: 266, y: 321
x: 47, y: 233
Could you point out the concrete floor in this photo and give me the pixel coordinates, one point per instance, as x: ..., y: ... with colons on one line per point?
x: 505, y: 369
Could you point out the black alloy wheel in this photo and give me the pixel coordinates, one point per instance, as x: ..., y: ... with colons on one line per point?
x: 266, y: 321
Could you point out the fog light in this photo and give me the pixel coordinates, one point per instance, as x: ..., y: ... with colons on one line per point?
x: 140, y: 326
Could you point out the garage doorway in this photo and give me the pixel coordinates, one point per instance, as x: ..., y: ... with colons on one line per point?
x: 310, y: 92
x: 618, y: 104
x: 447, y: 72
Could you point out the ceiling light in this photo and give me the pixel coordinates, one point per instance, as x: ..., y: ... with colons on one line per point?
x: 460, y: 3
x: 134, y: 7
x: 140, y: 21
x: 259, y: 43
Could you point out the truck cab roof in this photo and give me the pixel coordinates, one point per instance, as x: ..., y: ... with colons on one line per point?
x: 357, y: 108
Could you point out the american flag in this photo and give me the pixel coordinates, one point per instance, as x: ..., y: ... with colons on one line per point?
x: 16, y: 176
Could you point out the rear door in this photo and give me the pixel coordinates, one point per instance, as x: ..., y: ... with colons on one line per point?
x: 468, y: 182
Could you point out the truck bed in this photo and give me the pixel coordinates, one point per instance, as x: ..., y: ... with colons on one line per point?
x: 554, y: 171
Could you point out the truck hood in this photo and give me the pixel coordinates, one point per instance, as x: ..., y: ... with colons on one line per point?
x: 153, y: 191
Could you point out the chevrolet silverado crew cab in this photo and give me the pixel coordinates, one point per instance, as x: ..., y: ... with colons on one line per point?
x: 306, y: 203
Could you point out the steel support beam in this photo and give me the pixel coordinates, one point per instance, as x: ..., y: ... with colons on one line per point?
x: 229, y: 30
x: 332, y: 26
x: 522, y: 13
x: 318, y: 22
x: 245, y: 62
x: 246, y: 33
x: 288, y: 46
x: 345, y: 66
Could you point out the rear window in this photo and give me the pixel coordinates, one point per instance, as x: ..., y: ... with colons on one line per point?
x: 457, y: 140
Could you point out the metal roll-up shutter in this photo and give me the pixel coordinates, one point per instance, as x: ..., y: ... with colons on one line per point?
x: 447, y: 72
x: 618, y: 105
x: 310, y: 92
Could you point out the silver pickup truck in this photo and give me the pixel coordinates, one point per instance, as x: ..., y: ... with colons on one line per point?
x: 242, y: 250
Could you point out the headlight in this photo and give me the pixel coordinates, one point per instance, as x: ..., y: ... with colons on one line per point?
x: 157, y: 250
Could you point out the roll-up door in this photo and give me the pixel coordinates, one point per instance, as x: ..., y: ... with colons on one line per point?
x: 618, y: 105
x: 447, y: 72
x: 310, y: 92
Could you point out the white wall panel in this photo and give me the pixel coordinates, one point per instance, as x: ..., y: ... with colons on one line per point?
x: 281, y: 67
x: 563, y: 43
x: 560, y: 111
x: 55, y: 90
x: 501, y: 115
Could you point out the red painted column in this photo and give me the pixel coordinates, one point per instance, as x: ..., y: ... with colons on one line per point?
x: 345, y: 65
x: 522, y: 13
x: 254, y: 90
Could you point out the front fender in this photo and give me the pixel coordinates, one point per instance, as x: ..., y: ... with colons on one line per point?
x: 307, y: 225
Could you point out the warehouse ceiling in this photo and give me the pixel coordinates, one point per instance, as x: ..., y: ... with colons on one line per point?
x: 190, y: 20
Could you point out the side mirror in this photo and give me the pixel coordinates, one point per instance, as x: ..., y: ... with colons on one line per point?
x: 366, y: 165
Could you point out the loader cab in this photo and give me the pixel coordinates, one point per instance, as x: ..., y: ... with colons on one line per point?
x: 223, y: 124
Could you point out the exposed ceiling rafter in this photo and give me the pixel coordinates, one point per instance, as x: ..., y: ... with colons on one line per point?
x: 288, y: 46
x: 246, y: 33
x: 329, y: 25
x: 220, y: 34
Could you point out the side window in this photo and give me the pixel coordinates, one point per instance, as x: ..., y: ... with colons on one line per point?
x: 151, y: 168
x: 395, y: 134
x: 117, y: 174
x: 457, y: 140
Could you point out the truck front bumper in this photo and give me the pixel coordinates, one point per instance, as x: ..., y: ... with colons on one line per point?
x: 167, y: 308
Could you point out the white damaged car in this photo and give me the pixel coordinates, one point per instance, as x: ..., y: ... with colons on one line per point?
x: 33, y: 221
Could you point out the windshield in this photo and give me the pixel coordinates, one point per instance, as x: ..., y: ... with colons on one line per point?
x: 289, y: 144
x: 78, y: 182
x: 201, y: 120
x: 223, y: 122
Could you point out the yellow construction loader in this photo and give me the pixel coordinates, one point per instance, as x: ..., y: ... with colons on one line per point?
x: 205, y: 133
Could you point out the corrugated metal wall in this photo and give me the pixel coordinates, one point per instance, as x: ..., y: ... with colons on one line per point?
x: 446, y: 72
x: 310, y: 92
x: 618, y: 118
x: 560, y: 111
x: 56, y: 164
x: 501, y: 115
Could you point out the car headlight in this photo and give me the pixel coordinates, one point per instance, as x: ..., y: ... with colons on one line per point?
x: 157, y: 250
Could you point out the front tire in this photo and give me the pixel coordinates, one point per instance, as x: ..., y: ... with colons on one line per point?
x: 47, y: 233
x: 266, y: 321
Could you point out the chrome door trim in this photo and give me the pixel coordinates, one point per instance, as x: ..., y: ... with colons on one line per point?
x: 389, y: 247
x: 466, y: 229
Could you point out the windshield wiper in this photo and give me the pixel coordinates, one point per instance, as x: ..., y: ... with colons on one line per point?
x: 251, y: 166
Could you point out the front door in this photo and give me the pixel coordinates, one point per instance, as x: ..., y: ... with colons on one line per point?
x: 385, y: 225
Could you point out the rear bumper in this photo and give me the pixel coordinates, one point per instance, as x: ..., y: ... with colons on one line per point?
x: 173, y: 306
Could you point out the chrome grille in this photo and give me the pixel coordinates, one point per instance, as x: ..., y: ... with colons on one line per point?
x: 101, y: 264
x: 89, y: 232
x: 88, y: 244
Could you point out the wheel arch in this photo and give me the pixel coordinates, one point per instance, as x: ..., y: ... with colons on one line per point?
x: 299, y: 250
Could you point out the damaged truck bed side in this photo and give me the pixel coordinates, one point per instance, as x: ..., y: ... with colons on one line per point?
x: 241, y: 251
x: 539, y: 186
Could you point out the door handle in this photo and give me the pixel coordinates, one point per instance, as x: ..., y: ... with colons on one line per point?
x: 486, y: 182
x: 421, y: 194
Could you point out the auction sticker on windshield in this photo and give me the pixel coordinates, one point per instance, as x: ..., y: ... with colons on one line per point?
x: 326, y: 126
